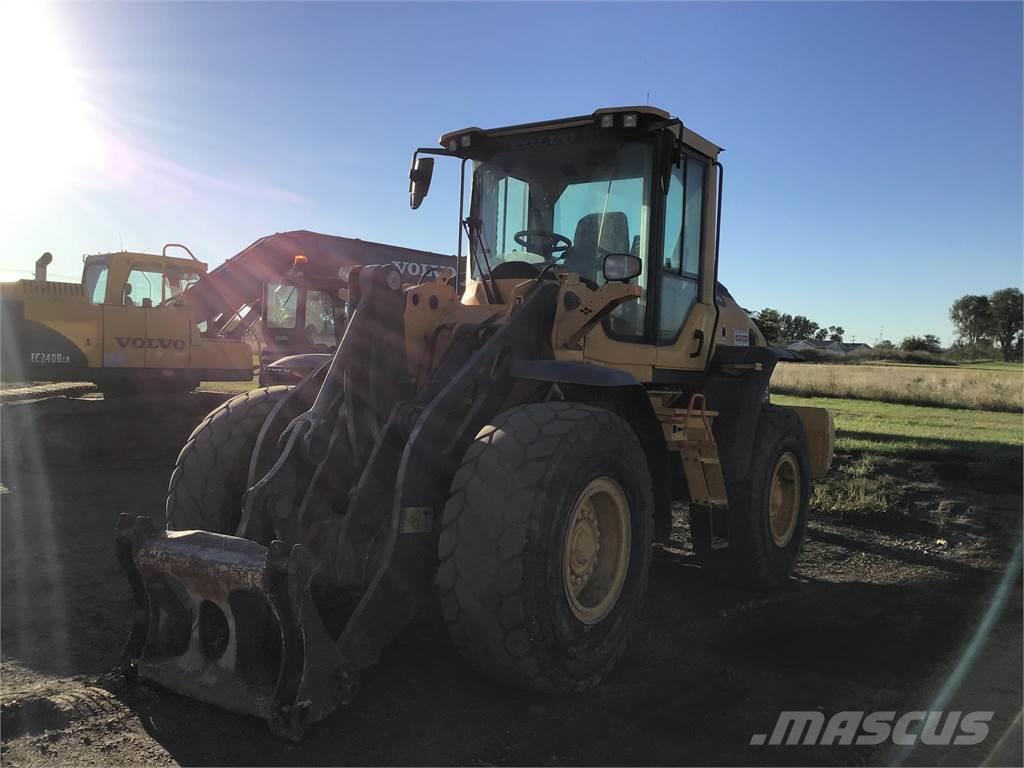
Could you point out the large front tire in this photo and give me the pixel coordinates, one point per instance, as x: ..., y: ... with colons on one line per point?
x: 211, y: 474
x: 545, y: 546
x: 767, y: 514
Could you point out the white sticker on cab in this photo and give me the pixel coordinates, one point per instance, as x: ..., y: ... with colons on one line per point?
x: 741, y: 338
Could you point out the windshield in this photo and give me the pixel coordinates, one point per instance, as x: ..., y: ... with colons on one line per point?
x: 95, y: 281
x: 568, y: 203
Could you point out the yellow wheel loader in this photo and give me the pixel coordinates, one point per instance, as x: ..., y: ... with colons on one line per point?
x: 131, y: 325
x: 509, y: 444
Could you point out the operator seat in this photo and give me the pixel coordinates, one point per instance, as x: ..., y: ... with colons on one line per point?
x: 597, y: 234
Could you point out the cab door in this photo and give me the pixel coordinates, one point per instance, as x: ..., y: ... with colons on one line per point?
x: 124, y: 337
x: 685, y: 311
x: 130, y: 291
x: 169, y: 325
x: 671, y: 327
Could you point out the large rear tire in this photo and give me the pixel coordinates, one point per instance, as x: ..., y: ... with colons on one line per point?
x: 767, y: 513
x: 545, y: 545
x: 211, y: 474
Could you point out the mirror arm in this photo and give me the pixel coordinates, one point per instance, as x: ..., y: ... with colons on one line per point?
x: 440, y: 151
x: 675, y: 128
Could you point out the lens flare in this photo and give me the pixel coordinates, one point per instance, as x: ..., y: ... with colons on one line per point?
x: 49, y: 142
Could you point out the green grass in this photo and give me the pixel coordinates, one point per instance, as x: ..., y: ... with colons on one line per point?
x: 993, y: 365
x: 981, y: 365
x: 913, y: 427
x: 881, y: 447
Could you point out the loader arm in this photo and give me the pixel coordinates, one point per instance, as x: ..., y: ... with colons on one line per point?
x: 320, y: 523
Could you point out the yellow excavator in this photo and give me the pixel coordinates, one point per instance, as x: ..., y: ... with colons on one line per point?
x: 137, y: 322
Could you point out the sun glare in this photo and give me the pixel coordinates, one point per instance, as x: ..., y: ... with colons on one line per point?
x: 49, y: 142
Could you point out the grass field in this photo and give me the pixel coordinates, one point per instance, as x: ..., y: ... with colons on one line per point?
x: 994, y: 365
x: 233, y: 387
x: 887, y: 454
x: 986, y: 386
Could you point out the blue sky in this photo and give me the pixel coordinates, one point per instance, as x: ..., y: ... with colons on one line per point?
x: 873, y: 151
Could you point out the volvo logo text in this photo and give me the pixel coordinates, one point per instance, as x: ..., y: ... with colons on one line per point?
x: 138, y: 342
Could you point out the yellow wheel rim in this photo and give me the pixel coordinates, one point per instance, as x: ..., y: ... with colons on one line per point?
x: 595, y: 557
x: 784, y: 499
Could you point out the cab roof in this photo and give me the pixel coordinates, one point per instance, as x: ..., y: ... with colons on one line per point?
x: 643, y: 118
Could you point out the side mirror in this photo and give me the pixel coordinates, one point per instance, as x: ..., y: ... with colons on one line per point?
x: 419, y: 180
x: 621, y: 267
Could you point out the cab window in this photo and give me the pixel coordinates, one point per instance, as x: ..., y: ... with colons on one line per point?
x: 605, y: 216
x: 513, y: 200
x: 179, y: 282
x: 693, y: 215
x: 95, y: 282
x: 320, y: 319
x: 282, y: 305
x: 144, y: 288
x: 680, y: 267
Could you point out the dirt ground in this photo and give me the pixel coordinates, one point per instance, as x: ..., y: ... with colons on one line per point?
x: 873, y: 620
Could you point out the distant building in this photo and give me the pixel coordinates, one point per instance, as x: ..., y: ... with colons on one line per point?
x: 854, y: 346
x: 837, y: 347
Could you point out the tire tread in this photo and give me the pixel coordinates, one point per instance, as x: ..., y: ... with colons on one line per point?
x: 214, y: 459
x: 481, y: 579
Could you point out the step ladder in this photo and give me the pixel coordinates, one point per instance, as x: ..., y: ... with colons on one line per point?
x: 689, y: 432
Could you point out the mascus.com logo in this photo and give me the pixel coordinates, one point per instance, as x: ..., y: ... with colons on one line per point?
x: 935, y: 727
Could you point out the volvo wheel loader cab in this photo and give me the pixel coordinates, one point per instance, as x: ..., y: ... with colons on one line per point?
x: 304, y: 317
x: 510, y: 445
x: 128, y: 326
x: 305, y: 314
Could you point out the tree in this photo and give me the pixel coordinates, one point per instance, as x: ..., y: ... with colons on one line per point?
x: 1007, y: 320
x: 932, y: 343
x: 926, y: 343
x: 785, y: 327
x: 972, y: 316
x: 769, y: 322
x: 795, y: 328
x: 780, y: 328
x: 885, y: 344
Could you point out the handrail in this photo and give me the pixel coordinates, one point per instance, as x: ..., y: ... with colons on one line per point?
x: 703, y: 415
x: 179, y: 245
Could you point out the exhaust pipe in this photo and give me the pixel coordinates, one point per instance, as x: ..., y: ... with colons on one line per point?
x: 41, y: 264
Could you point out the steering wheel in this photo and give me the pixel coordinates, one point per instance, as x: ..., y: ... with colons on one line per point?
x: 559, y: 244
x: 170, y: 300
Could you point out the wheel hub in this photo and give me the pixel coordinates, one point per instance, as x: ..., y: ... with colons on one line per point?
x: 784, y: 499
x: 584, y: 546
x: 596, y: 553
